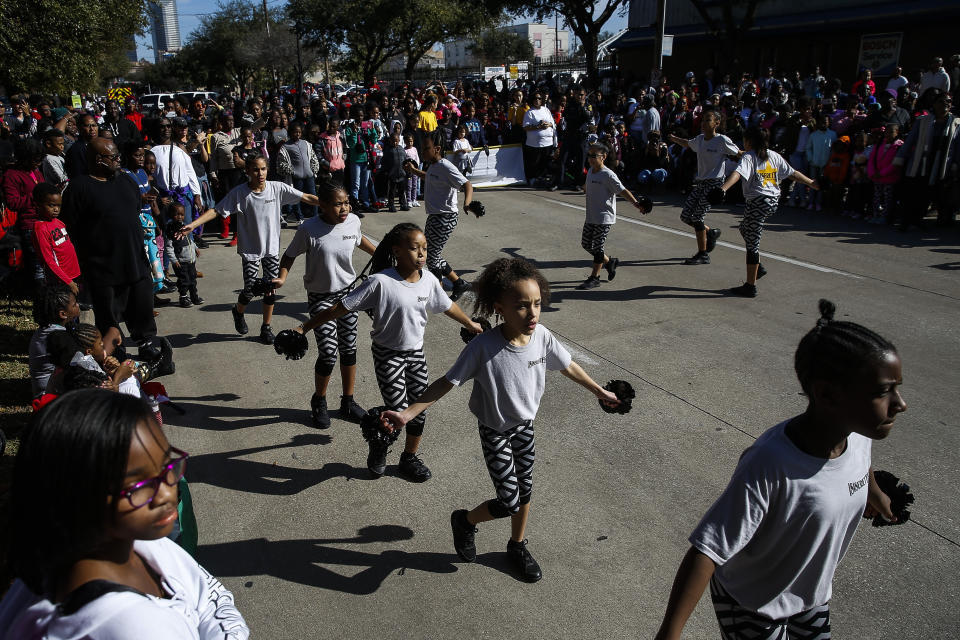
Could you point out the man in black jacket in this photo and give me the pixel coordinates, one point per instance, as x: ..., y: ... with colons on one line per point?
x: 123, y: 130
x: 76, y: 161
x: 100, y: 211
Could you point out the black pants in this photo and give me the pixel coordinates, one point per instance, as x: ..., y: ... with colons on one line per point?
x: 916, y: 195
x: 186, y: 278
x: 131, y: 303
x: 397, y: 188
x: 535, y: 161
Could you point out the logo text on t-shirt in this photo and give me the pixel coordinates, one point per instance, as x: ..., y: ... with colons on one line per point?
x: 859, y: 484
x: 422, y: 298
x: 353, y: 237
x: 533, y: 363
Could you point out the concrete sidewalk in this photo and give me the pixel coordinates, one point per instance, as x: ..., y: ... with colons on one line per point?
x: 311, y: 547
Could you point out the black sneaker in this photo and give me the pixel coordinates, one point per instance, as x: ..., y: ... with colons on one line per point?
x: 611, y: 268
x: 266, y: 334
x: 238, y: 322
x: 350, y: 410
x: 712, y: 235
x: 318, y: 412
x: 460, y: 287
x: 746, y: 290
x: 195, y: 298
x: 700, y: 257
x: 377, y: 458
x: 523, y: 561
x: 463, y: 536
x: 590, y: 283
x: 185, y: 302
x: 760, y: 271
x: 412, y: 468
x: 201, y: 243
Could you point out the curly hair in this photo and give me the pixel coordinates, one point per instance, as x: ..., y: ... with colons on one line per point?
x: 499, y: 276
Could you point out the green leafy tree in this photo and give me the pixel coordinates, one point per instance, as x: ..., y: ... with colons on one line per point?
x: 55, y: 46
x: 494, y: 47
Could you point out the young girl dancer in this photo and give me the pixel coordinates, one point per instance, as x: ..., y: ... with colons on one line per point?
x: 441, y: 182
x: 257, y: 205
x: 91, y: 558
x: 329, y: 241
x: 603, y: 187
x: 712, y: 150
x: 401, y: 296
x: 508, y: 365
x: 762, y: 171
x: 803, y: 486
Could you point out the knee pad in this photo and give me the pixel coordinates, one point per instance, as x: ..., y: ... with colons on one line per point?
x: 753, y: 257
x: 322, y: 367
x: 415, y: 427
x: 598, y: 257
x: 497, y: 510
x: 244, y: 298
x: 348, y: 359
x: 524, y: 499
x: 269, y: 299
x: 699, y: 226
x: 446, y: 269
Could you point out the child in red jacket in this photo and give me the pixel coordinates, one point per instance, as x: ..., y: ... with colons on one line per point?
x: 50, y: 238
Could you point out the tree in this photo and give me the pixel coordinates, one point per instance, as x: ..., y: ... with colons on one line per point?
x: 495, y: 47
x: 53, y: 46
x: 585, y: 19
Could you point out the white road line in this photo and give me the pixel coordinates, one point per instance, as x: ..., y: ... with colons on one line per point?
x: 686, y: 234
x: 579, y: 355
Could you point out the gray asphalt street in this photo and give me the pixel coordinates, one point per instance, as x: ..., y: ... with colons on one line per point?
x: 313, y: 548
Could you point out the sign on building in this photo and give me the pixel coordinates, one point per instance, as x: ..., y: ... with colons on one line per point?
x: 489, y: 73
x: 879, y: 52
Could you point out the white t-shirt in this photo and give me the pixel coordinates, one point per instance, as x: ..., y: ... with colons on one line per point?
x: 784, y: 522
x: 440, y: 187
x: 508, y: 380
x: 258, y: 216
x: 539, y: 137
x: 177, y: 171
x: 711, y: 155
x: 602, y: 189
x: 199, y: 607
x: 329, y: 250
x: 763, y: 178
x: 400, y: 308
x: 896, y: 82
x: 461, y: 144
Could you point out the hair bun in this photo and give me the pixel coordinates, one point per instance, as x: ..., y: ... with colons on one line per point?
x: 827, y: 311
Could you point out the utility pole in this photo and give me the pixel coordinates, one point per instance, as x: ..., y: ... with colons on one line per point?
x: 273, y: 71
x: 658, y: 46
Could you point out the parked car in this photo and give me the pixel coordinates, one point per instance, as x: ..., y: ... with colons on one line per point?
x: 190, y: 96
x: 152, y: 101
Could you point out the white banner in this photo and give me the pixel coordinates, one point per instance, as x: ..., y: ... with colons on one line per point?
x: 880, y: 53
x: 503, y: 166
x: 489, y: 73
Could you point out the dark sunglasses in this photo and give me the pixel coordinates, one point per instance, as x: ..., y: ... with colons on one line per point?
x: 594, y: 155
x: 143, y: 492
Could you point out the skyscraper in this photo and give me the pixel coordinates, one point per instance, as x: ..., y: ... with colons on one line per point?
x: 166, y: 28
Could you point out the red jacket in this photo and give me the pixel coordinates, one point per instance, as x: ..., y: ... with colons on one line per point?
x: 51, y: 241
x: 18, y: 193
x: 136, y: 118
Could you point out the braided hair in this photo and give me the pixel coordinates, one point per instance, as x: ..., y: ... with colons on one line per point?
x: 383, y: 257
x: 327, y: 189
x: 499, y: 276
x: 51, y: 299
x: 85, y: 335
x: 837, y: 350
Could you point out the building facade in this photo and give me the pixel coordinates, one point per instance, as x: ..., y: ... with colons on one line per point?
x: 165, y: 25
x: 546, y: 40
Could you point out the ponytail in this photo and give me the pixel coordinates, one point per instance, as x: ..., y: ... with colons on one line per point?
x: 383, y: 257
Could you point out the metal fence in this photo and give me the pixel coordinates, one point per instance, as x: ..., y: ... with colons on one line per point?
x: 570, y: 68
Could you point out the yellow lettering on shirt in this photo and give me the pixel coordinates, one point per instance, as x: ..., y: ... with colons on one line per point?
x: 767, y: 174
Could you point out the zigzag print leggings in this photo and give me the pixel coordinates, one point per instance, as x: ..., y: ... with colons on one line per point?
x: 593, y: 239
x: 757, y: 210
x: 339, y: 334
x: 696, y: 206
x: 510, y: 456
x: 251, y: 271
x: 737, y: 623
x: 402, y: 378
x: 437, y: 230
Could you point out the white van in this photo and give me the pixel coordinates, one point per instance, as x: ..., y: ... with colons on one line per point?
x: 152, y: 101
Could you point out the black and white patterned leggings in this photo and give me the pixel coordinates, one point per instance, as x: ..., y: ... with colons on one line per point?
x: 437, y: 230
x: 510, y: 456
x: 402, y: 378
x: 251, y: 271
x: 758, y: 209
x: 336, y: 335
x: 594, y: 239
x: 696, y: 206
x: 737, y: 623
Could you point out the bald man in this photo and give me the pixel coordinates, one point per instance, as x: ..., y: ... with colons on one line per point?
x: 101, y: 213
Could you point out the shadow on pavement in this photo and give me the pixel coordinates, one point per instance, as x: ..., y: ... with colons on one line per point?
x: 585, y: 262
x: 564, y: 291
x: 225, y: 418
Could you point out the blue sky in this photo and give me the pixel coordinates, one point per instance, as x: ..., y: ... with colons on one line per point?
x: 191, y: 10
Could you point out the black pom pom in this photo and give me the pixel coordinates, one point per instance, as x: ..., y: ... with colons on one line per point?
x: 467, y: 336
x: 899, y: 493
x: 646, y: 204
x: 291, y: 344
x: 625, y: 394
x: 715, y: 196
x: 374, y: 429
x: 476, y: 208
x: 261, y: 287
x: 827, y: 310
